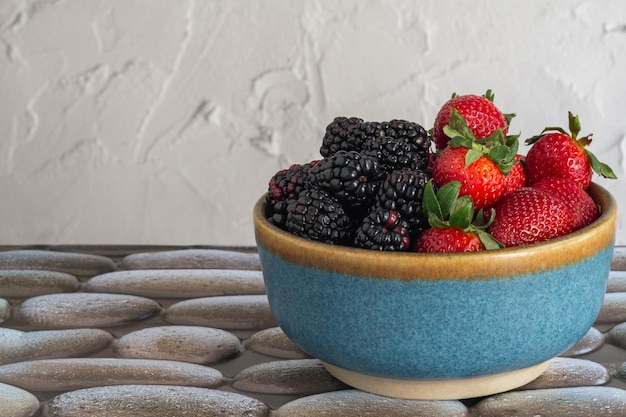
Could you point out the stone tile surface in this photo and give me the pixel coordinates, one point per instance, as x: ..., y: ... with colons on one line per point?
x: 5, y: 310
x: 193, y: 259
x: 295, y: 376
x: 72, y: 263
x: 354, y: 403
x: 193, y: 344
x: 557, y: 402
x: 227, y: 312
x: 570, y: 372
x: 274, y: 342
x: 30, y: 283
x: 161, y: 331
x: 84, y: 310
x: 17, y: 345
x: 153, y: 401
x: 77, y: 373
x: 16, y: 402
x: 179, y: 283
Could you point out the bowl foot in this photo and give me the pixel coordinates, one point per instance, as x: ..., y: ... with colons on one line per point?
x: 448, y: 389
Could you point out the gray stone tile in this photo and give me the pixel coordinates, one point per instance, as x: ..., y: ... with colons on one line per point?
x: 73, y: 310
x: 17, y: 346
x: 294, y: 376
x: 5, y: 310
x: 570, y: 372
x: 193, y: 259
x: 617, y: 281
x: 619, y: 259
x: 193, y: 344
x: 613, y: 308
x: 557, y: 402
x: 620, y: 372
x: 355, y: 403
x: 274, y: 342
x: 16, y: 402
x: 77, y: 264
x: 617, y: 336
x: 591, y: 341
x: 179, y: 283
x: 77, y: 373
x: 153, y: 401
x: 227, y: 312
x: 30, y: 283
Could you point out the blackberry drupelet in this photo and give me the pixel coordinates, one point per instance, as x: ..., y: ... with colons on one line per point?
x: 402, y: 191
x: 338, y: 136
x: 317, y: 215
x: 384, y: 230
x: 395, y: 153
x: 350, y: 176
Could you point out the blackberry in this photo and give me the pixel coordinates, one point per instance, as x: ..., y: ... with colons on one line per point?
x: 317, y: 215
x: 402, y: 191
x: 350, y: 134
x: 348, y: 175
x: 384, y: 230
x: 395, y: 153
x: 286, y: 184
x: 338, y: 136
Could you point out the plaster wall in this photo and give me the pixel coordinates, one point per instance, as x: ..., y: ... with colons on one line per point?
x: 160, y: 122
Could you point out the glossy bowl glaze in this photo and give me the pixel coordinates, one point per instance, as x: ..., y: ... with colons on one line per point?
x: 437, y: 326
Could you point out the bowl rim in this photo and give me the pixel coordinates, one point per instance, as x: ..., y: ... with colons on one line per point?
x: 551, y: 254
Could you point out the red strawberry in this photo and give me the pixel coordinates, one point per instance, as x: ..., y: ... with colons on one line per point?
x: 559, y: 154
x: 517, y: 176
x: 482, y: 179
x: 480, y: 165
x: 483, y: 117
x: 454, y: 227
x: 528, y: 215
x: 577, y: 199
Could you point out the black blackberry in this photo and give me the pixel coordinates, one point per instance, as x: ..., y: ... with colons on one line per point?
x: 402, y: 191
x: 350, y: 134
x: 395, y: 153
x: 286, y: 184
x: 348, y: 175
x: 383, y: 230
x: 317, y: 215
x: 338, y: 136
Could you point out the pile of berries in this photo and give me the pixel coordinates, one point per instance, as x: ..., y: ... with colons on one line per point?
x: 462, y: 186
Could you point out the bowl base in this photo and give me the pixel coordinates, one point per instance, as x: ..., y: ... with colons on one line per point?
x: 434, y: 389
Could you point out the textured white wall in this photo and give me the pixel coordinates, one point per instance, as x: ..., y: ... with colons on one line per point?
x: 140, y: 121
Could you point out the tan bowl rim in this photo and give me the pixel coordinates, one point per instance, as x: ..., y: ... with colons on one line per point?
x: 500, y: 263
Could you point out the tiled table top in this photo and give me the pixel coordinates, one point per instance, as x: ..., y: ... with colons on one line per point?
x: 172, y: 331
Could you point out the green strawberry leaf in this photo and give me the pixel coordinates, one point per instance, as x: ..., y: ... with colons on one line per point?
x: 435, y: 221
x: 574, y: 124
x: 508, y: 117
x: 471, y: 156
x: 489, y: 241
x: 430, y: 203
x: 446, y: 196
x: 600, y: 168
x: 462, y: 212
x: 489, y: 95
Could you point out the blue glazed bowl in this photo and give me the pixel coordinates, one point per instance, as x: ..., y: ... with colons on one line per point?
x: 437, y: 326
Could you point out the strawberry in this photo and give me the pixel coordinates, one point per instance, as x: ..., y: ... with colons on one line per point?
x: 528, y: 215
x: 454, y: 226
x: 480, y: 165
x: 558, y: 154
x: 577, y: 199
x: 517, y: 176
x: 482, y: 115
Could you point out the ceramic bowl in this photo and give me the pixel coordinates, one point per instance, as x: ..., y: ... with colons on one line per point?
x: 437, y: 326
